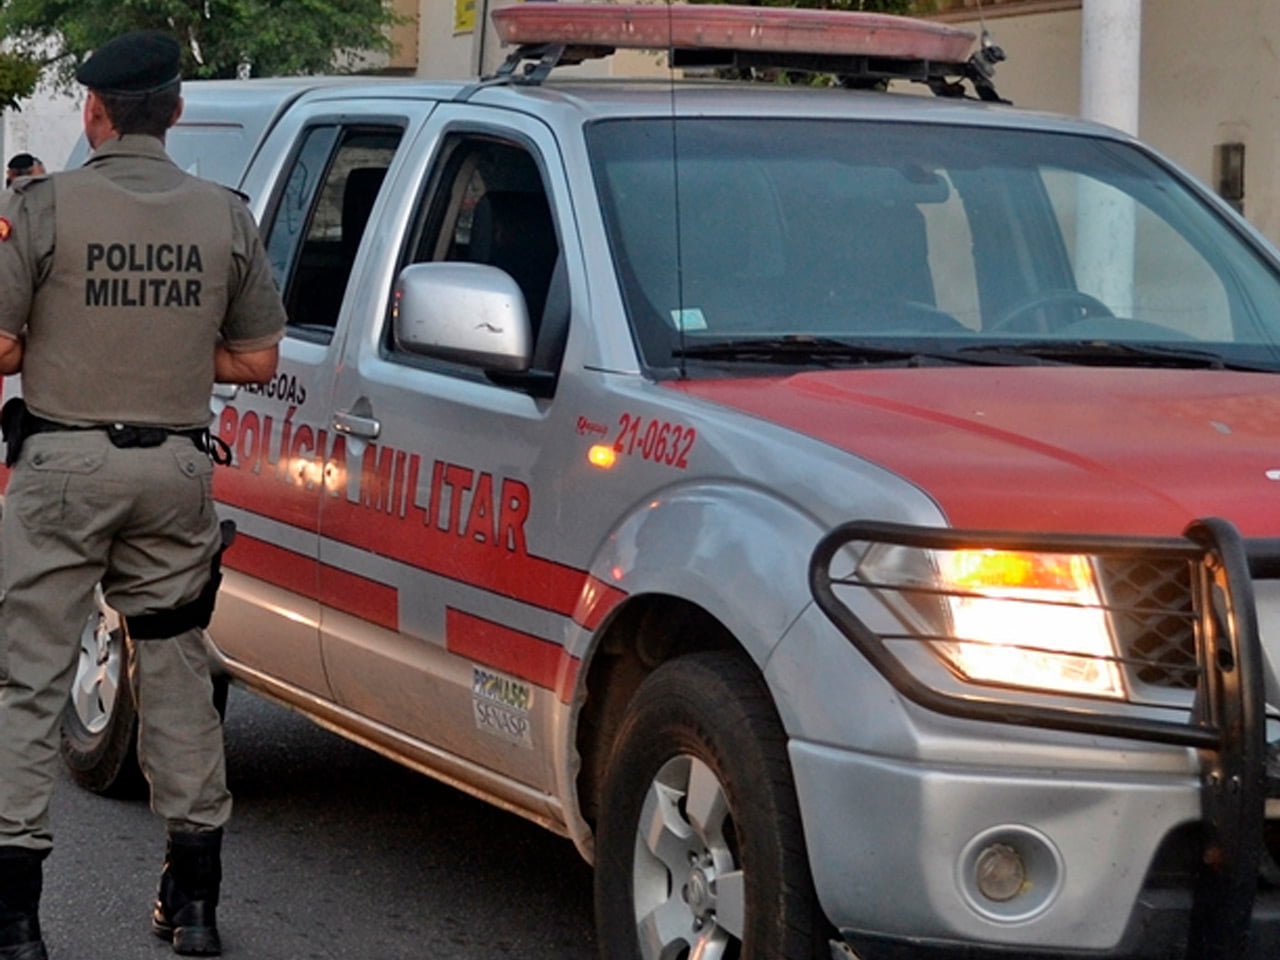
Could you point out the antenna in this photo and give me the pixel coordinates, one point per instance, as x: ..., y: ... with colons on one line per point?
x: 675, y: 192
x: 989, y: 52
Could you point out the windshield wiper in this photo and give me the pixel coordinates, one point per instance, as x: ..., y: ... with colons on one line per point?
x: 1113, y: 353
x: 800, y: 348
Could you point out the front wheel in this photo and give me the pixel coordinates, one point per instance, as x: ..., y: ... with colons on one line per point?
x: 700, y: 847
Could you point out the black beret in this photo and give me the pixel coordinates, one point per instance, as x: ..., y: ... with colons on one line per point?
x: 139, y: 62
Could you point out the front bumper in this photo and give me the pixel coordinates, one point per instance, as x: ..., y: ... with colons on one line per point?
x: 902, y: 872
x: 1158, y: 932
x: 1090, y: 844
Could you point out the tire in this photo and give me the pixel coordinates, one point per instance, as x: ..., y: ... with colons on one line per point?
x: 700, y: 849
x: 99, y: 723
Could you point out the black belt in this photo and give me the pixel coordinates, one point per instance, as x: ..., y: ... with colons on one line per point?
x: 128, y: 436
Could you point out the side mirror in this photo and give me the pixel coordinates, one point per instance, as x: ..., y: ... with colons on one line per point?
x: 462, y: 312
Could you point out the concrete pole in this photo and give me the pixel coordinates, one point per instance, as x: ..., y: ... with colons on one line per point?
x: 1110, y: 89
x: 1111, y: 62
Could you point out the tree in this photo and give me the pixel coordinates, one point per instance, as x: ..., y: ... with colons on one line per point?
x: 220, y: 38
x: 19, y: 74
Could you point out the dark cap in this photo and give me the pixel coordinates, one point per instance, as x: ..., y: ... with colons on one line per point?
x: 139, y: 62
x: 22, y: 161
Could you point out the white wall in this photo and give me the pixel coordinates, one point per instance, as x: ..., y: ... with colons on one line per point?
x: 441, y: 52
x: 47, y: 125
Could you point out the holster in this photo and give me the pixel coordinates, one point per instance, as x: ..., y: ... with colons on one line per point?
x: 127, y: 436
x: 15, y: 425
x: 194, y: 613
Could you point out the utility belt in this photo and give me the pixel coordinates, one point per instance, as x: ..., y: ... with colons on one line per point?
x: 17, y: 423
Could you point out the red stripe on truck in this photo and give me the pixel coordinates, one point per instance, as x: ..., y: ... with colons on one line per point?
x: 523, y: 655
x: 339, y: 589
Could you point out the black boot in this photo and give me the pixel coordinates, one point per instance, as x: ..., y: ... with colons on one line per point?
x: 186, y: 905
x: 21, y: 878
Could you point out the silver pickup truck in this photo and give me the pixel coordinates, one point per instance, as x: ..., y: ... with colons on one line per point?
x: 852, y: 518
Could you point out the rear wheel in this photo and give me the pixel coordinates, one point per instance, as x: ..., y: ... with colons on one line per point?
x: 100, y: 721
x: 700, y: 848
x: 100, y: 724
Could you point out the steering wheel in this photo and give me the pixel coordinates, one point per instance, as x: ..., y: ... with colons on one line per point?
x: 1072, y: 306
x: 856, y: 317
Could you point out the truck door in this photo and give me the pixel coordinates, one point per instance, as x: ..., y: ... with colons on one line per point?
x: 328, y: 170
x: 457, y: 641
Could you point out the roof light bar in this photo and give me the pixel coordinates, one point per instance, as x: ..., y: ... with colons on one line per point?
x: 771, y: 29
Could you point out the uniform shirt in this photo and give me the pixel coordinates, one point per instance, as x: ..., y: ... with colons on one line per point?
x: 126, y: 289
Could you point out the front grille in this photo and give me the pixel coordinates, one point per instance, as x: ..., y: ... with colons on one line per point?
x: 1154, y: 618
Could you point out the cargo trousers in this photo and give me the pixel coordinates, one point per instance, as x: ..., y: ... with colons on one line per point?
x: 140, y: 521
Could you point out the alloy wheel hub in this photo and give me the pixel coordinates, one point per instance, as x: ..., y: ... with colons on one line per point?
x: 701, y: 893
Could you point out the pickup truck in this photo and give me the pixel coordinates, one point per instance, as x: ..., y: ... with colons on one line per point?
x: 852, y: 518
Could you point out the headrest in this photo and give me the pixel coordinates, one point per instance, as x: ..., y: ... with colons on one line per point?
x: 358, y: 196
x: 508, y: 219
x: 513, y: 230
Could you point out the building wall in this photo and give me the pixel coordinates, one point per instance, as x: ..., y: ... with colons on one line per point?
x: 1208, y: 76
x: 405, y: 35
x: 446, y: 38
x: 48, y: 126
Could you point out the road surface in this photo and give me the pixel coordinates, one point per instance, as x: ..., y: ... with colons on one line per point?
x: 332, y: 854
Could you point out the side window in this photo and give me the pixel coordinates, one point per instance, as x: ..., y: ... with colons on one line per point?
x: 320, y: 217
x: 489, y: 205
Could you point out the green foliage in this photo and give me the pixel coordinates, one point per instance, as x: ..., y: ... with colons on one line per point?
x: 220, y: 38
x: 19, y: 74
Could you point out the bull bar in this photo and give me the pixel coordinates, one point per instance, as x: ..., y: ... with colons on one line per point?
x: 1226, y: 722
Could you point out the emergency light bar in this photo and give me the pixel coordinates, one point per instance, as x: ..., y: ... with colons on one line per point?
x: 688, y: 27
x: 860, y: 49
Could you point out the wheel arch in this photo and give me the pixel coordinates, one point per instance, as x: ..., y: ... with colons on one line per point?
x: 646, y: 632
x: 720, y: 566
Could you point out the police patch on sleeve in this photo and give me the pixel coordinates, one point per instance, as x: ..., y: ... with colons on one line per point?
x: 6, y: 229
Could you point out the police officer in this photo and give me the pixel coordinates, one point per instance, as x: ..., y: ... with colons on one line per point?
x: 127, y: 288
x: 22, y: 165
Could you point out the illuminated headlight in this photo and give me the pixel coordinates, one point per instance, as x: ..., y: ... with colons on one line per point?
x: 1009, y: 618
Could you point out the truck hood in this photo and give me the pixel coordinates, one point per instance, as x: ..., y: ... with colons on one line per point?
x: 1049, y: 449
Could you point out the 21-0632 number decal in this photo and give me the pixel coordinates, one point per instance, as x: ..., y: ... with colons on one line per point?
x: 656, y: 440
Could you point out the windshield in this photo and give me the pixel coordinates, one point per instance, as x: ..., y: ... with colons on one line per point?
x: 736, y: 240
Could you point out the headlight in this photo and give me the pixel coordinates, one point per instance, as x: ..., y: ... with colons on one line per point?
x: 1003, y: 617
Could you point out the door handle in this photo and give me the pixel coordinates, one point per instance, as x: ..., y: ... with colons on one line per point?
x: 354, y: 425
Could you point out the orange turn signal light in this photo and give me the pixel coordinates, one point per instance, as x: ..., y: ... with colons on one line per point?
x: 602, y: 455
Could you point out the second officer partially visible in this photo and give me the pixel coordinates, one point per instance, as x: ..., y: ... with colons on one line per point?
x: 127, y: 287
